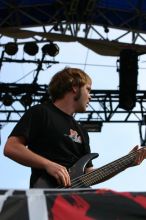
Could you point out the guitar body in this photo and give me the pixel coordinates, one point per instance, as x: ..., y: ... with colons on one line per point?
x: 75, y: 171
x: 81, y: 179
x: 78, y: 169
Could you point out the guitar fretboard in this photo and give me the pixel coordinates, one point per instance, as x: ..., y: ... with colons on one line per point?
x: 104, y: 172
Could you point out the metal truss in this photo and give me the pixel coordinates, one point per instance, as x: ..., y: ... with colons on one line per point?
x: 104, y: 104
x: 76, y: 18
x: 103, y: 108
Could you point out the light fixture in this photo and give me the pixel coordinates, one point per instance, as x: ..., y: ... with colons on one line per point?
x: 11, y: 48
x: 31, y: 48
x: 26, y: 100
x: 7, y: 100
x: 91, y: 126
x: 50, y: 49
x: 106, y: 30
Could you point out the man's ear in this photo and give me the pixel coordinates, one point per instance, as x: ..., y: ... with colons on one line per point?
x: 75, y: 89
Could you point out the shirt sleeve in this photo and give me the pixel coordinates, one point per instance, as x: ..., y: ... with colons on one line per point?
x: 28, y: 125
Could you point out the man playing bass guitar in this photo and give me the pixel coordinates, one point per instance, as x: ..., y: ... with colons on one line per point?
x: 48, y: 139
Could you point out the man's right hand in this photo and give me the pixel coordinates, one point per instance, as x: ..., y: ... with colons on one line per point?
x: 59, y: 172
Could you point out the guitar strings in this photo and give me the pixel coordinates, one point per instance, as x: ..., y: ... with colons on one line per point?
x: 89, y: 178
x: 107, y: 171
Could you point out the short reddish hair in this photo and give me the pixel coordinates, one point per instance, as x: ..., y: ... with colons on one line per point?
x: 63, y: 81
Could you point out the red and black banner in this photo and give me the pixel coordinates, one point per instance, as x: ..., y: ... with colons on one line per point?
x: 40, y: 204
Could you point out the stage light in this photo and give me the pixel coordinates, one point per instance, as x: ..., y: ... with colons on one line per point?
x: 50, y: 49
x: 11, y: 48
x: 128, y: 71
x: 92, y: 126
x: 7, y: 99
x: 26, y: 100
x: 31, y: 48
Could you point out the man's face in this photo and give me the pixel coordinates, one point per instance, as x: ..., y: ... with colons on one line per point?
x: 83, y: 97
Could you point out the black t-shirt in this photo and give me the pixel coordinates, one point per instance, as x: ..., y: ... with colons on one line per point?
x: 52, y: 134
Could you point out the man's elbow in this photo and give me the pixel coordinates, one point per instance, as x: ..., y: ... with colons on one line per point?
x: 7, y: 151
x: 8, y: 148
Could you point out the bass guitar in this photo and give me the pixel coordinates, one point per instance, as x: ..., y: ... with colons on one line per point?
x: 80, y: 179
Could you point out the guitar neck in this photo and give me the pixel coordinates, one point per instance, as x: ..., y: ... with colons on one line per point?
x: 109, y: 170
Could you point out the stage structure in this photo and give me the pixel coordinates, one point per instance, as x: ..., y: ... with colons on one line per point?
x: 45, y: 22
